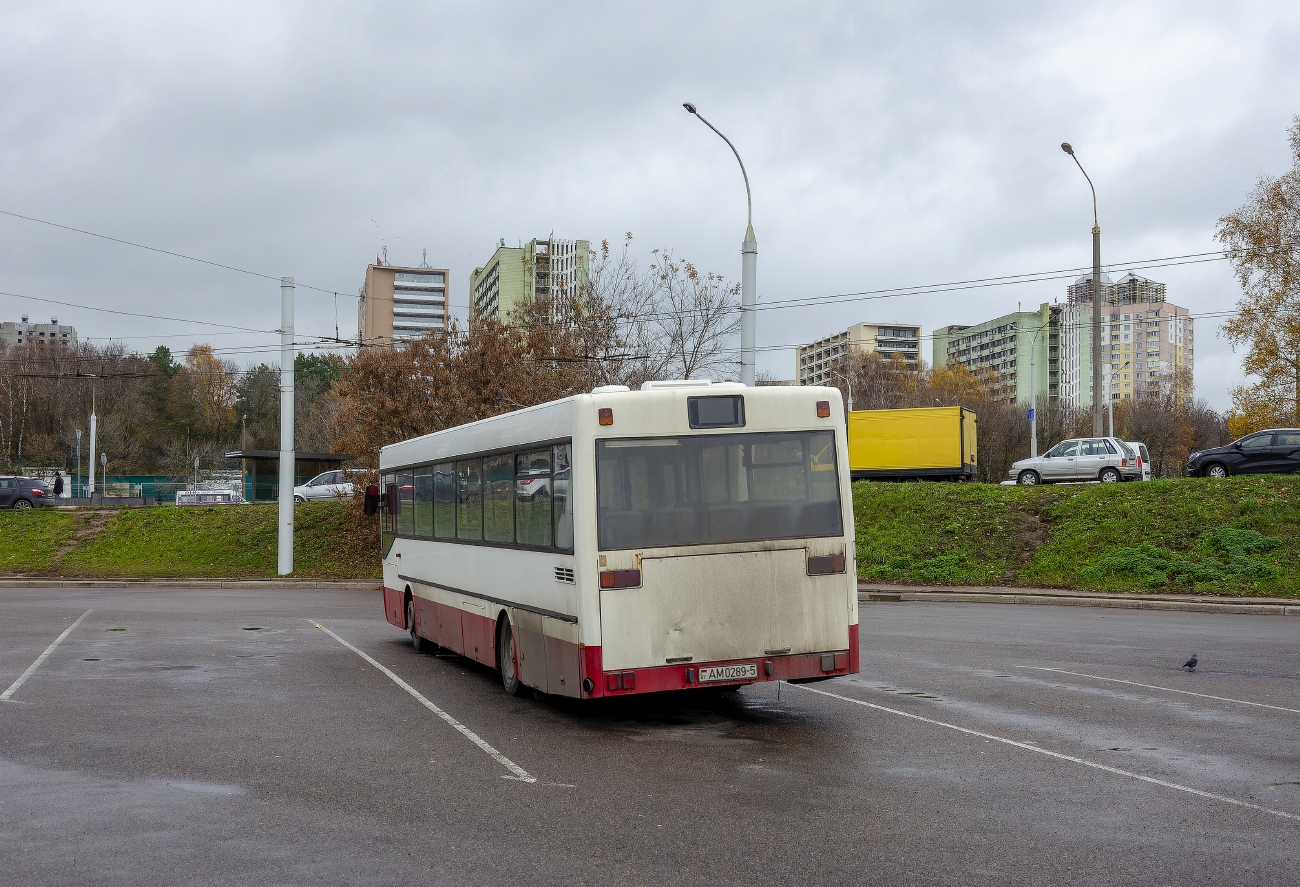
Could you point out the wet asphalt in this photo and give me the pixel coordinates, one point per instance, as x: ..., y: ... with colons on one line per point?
x: 219, y: 737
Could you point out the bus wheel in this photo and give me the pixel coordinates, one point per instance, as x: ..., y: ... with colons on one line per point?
x: 418, y: 643
x: 506, y: 660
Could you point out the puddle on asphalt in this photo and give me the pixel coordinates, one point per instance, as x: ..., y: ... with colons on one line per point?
x: 915, y: 694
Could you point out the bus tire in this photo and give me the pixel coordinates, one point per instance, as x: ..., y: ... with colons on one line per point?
x: 506, y: 662
x: 419, y: 644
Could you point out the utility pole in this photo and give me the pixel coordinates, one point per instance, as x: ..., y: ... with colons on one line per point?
x: 748, y: 266
x: 91, y: 486
x: 1097, y: 391
x: 74, y: 492
x: 284, y: 560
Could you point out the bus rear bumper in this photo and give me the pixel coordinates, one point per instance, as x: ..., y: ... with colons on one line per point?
x: 801, y: 667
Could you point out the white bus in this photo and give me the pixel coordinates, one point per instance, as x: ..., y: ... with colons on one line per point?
x: 685, y: 535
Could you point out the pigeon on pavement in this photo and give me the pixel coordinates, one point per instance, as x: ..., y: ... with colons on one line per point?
x: 1190, y: 664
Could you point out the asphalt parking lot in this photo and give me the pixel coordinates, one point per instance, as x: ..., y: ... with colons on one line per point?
x: 219, y: 736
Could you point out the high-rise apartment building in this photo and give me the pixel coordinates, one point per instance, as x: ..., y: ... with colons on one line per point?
x: 814, y: 363
x: 401, y: 303
x: 1147, y: 345
x: 540, y: 269
x: 1015, y: 352
x: 25, y: 333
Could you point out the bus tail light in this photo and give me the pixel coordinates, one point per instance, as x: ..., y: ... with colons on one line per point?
x: 823, y: 409
x: 606, y: 415
x: 620, y: 578
x: 825, y: 565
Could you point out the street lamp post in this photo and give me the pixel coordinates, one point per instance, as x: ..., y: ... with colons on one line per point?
x: 849, y: 383
x: 1033, y: 390
x: 748, y: 266
x: 1096, y: 301
x: 78, y: 484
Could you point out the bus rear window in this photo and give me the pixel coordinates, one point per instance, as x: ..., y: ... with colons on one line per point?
x: 709, y: 489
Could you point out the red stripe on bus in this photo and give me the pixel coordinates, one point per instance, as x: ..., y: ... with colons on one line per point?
x: 853, y: 649
x: 675, y: 677
x: 394, y: 609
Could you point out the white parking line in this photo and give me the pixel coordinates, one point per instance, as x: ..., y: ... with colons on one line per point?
x: 519, y: 772
x: 1053, y: 754
x: 13, y: 688
x: 1094, y: 677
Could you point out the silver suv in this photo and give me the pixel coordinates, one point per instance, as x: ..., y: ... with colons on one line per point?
x: 1105, y: 459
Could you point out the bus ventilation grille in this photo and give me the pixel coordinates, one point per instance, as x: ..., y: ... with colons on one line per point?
x: 564, y: 574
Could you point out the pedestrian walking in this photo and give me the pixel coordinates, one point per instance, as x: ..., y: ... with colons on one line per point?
x: 58, y: 485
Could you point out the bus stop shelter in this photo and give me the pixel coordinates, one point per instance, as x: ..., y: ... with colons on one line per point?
x: 261, y: 470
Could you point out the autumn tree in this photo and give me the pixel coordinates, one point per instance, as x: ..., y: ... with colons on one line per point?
x: 1262, y: 240
x: 212, y: 384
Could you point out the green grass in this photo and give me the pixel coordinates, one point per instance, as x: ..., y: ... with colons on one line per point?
x: 30, y: 539
x: 1237, y: 536
x: 226, y: 542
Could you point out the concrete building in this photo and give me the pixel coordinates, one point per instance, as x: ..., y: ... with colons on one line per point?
x: 540, y: 269
x: 814, y: 362
x: 1148, y: 345
x: 1009, y: 349
x: 25, y: 333
x: 401, y: 303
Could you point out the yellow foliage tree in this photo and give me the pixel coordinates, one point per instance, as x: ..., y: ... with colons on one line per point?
x: 1262, y: 240
x: 212, y: 382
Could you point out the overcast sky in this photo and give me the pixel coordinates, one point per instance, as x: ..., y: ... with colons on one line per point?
x: 888, y: 144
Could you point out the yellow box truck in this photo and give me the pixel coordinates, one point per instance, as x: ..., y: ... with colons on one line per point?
x: 929, y: 443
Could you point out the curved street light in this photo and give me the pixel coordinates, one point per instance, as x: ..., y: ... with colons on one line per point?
x: 748, y: 264
x: 1096, y: 299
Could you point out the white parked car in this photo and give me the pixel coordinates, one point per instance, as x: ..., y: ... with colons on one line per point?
x: 1144, y: 458
x: 330, y: 485
x: 1104, y: 459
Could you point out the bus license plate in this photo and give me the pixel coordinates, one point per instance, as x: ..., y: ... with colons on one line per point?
x: 728, y: 672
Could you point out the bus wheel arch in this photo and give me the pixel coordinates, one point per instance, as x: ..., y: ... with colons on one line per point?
x: 418, y: 643
x: 507, y: 661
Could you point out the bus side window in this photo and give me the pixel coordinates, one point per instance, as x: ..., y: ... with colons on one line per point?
x: 533, y: 498
x: 424, y: 502
x: 498, y: 499
x: 563, y: 504
x: 469, y: 499
x: 444, y: 501
x: 406, y: 502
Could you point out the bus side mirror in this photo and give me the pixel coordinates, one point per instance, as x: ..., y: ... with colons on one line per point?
x: 372, y: 500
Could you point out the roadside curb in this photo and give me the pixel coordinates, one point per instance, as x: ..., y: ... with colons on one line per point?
x: 301, y: 584
x: 1066, y: 598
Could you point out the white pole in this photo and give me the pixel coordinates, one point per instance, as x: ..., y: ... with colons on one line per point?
x: 748, y: 273
x: 90, y: 487
x: 748, y: 265
x: 284, y: 562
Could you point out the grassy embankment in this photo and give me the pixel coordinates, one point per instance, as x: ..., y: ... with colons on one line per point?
x: 1237, y: 536
x: 331, y: 541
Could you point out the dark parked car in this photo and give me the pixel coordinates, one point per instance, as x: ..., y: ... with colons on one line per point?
x: 24, y: 492
x: 1276, y: 451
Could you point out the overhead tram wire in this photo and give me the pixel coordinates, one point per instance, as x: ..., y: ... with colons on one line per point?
x: 229, y: 326
x: 865, y: 295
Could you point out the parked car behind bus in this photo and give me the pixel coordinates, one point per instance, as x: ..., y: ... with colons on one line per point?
x: 21, y: 492
x: 1105, y: 459
x: 336, y: 484
x: 1275, y: 451
x: 1144, y: 458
